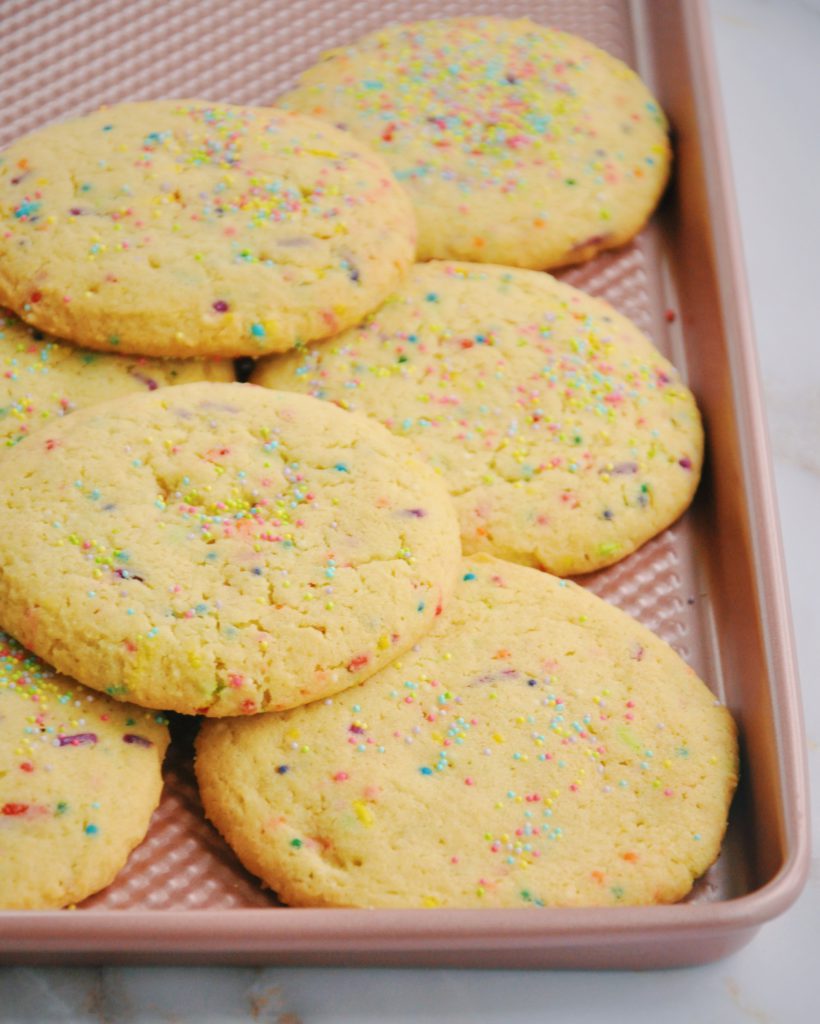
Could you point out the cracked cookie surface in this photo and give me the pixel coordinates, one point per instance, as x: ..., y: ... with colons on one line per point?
x: 182, y: 228
x: 80, y: 775
x: 43, y: 378
x: 537, y: 748
x: 566, y: 439
x: 518, y: 144
x: 221, y: 549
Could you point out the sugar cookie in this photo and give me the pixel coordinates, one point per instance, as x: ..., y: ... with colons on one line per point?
x: 181, y: 228
x: 221, y: 549
x: 537, y: 748
x: 518, y: 144
x: 42, y: 378
x: 565, y: 438
x: 80, y: 775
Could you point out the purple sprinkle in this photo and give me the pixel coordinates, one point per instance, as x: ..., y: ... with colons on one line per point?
x: 75, y: 211
x: 221, y: 306
x: 685, y: 462
x: 139, y: 741
x: 625, y: 467
x: 80, y: 739
x: 416, y: 513
x: 126, y: 574
x: 494, y: 677
x: 149, y: 382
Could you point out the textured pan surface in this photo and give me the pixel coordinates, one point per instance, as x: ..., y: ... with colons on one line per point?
x: 64, y: 59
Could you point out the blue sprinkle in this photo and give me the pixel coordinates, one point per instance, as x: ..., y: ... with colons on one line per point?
x: 26, y: 208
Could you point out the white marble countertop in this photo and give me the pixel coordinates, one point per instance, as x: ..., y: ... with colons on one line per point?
x: 769, y: 62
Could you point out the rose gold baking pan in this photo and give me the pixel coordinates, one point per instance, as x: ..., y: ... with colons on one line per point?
x: 713, y: 585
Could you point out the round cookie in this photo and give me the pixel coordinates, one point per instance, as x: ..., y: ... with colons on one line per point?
x: 183, y: 228
x: 80, y: 776
x: 537, y: 748
x: 221, y: 549
x: 42, y: 378
x: 518, y: 144
x: 565, y: 438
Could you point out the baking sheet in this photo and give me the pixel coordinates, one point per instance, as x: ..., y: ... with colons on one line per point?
x: 712, y: 585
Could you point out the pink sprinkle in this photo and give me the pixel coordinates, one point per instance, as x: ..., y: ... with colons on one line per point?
x: 341, y: 777
x: 469, y: 781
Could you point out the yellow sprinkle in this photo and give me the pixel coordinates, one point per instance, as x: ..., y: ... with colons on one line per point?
x: 363, y: 813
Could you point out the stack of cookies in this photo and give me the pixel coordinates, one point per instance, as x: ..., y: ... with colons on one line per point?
x: 353, y: 568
